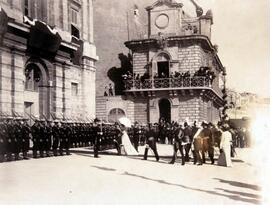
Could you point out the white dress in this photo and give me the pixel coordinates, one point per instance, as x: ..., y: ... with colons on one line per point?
x: 129, y: 149
x: 225, y: 144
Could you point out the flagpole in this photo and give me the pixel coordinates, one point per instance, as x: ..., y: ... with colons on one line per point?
x: 128, y: 26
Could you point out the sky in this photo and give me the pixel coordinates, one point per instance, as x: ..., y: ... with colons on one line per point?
x: 242, y: 31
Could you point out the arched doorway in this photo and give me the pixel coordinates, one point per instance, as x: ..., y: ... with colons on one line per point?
x: 115, y: 114
x: 163, y: 65
x: 36, y: 101
x: 165, y: 109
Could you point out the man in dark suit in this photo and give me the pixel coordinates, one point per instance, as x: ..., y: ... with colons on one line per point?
x: 178, y: 145
x: 151, y: 138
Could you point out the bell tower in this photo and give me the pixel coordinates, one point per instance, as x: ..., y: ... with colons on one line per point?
x: 164, y: 17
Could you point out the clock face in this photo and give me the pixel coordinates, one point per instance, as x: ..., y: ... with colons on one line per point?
x: 162, y: 21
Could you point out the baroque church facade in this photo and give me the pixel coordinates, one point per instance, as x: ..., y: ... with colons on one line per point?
x: 177, y: 74
x: 47, y: 59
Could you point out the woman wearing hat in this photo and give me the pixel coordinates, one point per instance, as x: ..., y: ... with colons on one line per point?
x: 225, y: 147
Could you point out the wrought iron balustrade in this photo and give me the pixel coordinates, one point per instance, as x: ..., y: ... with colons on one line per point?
x: 160, y: 83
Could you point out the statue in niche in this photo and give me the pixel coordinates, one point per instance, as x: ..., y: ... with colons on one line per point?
x: 162, y: 41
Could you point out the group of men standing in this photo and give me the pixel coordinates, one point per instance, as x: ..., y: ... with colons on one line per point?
x: 186, y: 139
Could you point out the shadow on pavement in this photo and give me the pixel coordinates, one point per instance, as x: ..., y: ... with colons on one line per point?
x: 240, y: 184
x: 104, y: 168
x: 236, y: 196
x: 255, y: 196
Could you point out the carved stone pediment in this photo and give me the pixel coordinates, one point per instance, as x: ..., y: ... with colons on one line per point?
x: 169, y: 3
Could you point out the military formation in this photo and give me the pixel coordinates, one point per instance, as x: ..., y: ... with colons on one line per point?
x: 46, y: 138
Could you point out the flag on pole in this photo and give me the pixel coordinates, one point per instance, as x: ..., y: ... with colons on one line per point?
x: 136, y: 10
x: 138, y: 24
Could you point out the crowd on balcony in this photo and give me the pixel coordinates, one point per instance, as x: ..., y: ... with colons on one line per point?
x: 175, y: 78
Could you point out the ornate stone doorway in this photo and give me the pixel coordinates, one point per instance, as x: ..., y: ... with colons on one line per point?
x: 36, y: 100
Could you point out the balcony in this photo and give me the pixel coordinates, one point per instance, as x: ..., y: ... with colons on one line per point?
x: 172, y: 84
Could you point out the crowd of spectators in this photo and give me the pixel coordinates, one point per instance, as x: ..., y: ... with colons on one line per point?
x: 141, y: 79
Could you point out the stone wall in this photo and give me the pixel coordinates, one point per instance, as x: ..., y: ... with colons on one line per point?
x: 191, y: 58
x: 140, y: 60
x: 140, y: 110
x: 11, y: 78
x: 189, y: 109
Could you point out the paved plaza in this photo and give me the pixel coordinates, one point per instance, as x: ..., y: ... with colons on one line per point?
x: 82, y: 179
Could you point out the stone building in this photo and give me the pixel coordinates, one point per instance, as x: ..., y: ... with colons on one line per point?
x: 47, y: 58
x: 176, y: 47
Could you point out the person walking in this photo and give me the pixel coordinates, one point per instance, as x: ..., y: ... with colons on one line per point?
x: 151, y: 138
x: 178, y: 146
x: 225, y: 147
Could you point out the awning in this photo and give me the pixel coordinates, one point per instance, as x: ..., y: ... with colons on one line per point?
x: 42, y: 36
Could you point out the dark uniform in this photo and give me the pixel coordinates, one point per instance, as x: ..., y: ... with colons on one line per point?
x: 178, y: 146
x: 35, y: 131
x: 151, y: 138
x: 187, y: 139
x: 48, y: 138
x: 25, y: 138
x: 3, y: 141
x: 55, y: 134
x: 97, y: 130
x: 137, y: 132
x: 10, y: 138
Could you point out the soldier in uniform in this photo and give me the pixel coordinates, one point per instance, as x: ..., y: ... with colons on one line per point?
x: 17, y: 138
x: 3, y: 140
x: 42, y: 139
x: 137, y: 132
x: 97, y: 130
x: 48, y: 137
x: 55, y: 134
x: 25, y: 138
x: 35, y: 131
x: 10, y: 137
x: 67, y: 138
x: 151, y: 139
x: 62, y: 137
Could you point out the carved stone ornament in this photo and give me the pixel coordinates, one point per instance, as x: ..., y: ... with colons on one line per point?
x: 162, y: 41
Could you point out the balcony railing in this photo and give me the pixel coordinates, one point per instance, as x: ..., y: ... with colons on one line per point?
x: 169, y: 83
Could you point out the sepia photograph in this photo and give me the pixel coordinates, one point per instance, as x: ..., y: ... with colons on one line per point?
x: 134, y: 102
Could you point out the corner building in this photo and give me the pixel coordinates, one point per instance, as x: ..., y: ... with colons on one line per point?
x: 47, y: 58
x: 176, y: 42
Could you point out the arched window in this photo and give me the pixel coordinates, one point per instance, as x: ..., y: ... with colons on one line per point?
x: 115, y: 114
x: 32, y: 77
x: 163, y: 64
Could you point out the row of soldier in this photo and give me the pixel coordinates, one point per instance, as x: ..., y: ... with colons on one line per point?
x: 52, y: 138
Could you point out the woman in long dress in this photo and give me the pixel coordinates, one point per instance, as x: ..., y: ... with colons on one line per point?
x: 128, y: 147
x: 225, y: 148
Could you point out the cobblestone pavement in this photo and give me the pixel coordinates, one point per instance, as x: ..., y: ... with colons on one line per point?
x: 110, y: 179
